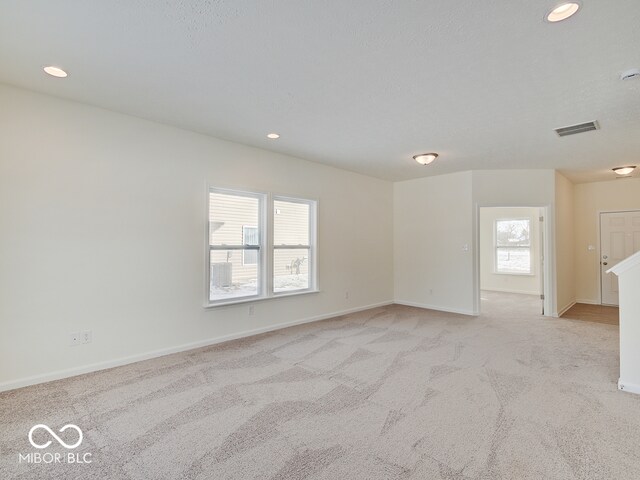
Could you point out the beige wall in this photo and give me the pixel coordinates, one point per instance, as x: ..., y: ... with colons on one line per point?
x: 103, y: 219
x: 436, y: 232
x: 489, y: 280
x: 433, y: 233
x: 589, y: 200
x: 521, y: 188
x: 565, y: 244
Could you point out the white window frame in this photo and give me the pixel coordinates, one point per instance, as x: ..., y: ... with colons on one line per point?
x: 265, y: 249
x: 261, y: 248
x: 496, y: 247
x: 312, y: 247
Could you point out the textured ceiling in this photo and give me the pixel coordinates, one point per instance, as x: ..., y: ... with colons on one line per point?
x: 359, y: 84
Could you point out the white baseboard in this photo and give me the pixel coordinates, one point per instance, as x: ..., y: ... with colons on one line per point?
x: 587, y: 301
x: 628, y: 387
x: 563, y: 310
x: 435, y: 307
x: 94, y: 367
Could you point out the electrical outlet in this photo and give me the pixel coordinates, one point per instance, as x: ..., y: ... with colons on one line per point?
x: 346, y: 295
x: 74, y: 338
x: 251, y: 310
x: 431, y: 291
x: 86, y: 337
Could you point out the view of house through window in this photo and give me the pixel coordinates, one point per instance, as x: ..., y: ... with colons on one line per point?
x: 238, y: 231
x: 292, y: 248
x: 513, y: 246
x: 250, y: 237
x: 234, y: 245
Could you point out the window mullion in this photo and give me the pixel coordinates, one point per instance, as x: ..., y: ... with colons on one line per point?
x: 268, y: 233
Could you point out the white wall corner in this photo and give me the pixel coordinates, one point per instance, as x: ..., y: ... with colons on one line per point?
x: 628, y: 387
x: 437, y: 308
x: 563, y: 310
x: 626, y: 264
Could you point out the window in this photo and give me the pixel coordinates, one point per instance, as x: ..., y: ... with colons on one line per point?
x: 513, y: 246
x: 241, y: 227
x: 292, y: 249
x: 235, y: 251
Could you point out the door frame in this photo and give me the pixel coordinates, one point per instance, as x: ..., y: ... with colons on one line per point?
x: 599, y: 244
x: 546, y: 249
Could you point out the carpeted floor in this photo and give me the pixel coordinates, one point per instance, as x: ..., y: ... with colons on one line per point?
x: 394, y: 392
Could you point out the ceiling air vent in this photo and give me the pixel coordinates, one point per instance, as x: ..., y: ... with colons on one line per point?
x: 573, y: 129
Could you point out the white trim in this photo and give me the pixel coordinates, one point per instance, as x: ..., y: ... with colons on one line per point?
x: 94, y: 367
x: 626, y: 264
x: 628, y: 387
x: 588, y: 301
x: 256, y: 298
x: 564, y: 310
x: 508, y: 290
x: 435, y: 307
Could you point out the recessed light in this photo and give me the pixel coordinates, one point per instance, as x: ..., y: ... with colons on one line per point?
x: 624, y: 170
x: 425, y: 158
x: 55, y: 71
x: 562, y: 12
x: 273, y: 136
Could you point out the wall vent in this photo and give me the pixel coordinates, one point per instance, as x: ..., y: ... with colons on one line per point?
x: 573, y: 129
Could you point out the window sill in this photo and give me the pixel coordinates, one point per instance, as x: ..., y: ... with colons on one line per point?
x: 515, y: 274
x: 254, y: 299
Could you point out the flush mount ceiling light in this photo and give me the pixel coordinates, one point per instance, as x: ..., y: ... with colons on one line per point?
x: 630, y: 74
x: 273, y: 136
x: 562, y: 12
x: 425, y: 158
x: 624, y: 170
x: 55, y: 71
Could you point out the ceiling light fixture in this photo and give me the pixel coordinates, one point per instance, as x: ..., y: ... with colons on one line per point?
x: 624, y: 170
x: 55, y: 71
x: 630, y: 74
x: 273, y: 136
x: 425, y: 158
x: 562, y: 12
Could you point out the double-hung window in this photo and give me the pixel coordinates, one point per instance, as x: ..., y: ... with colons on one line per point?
x: 259, y: 246
x: 513, y: 246
x: 293, y: 222
x: 236, y: 245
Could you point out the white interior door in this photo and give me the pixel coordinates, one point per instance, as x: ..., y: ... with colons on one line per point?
x: 619, y: 238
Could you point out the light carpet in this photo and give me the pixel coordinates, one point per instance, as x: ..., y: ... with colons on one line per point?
x: 388, y: 393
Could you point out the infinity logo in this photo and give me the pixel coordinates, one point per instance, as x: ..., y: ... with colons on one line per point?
x: 60, y: 441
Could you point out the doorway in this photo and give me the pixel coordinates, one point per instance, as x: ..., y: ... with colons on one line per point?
x: 619, y: 238
x: 511, y: 258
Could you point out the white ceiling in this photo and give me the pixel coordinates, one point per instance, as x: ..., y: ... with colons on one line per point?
x: 359, y: 84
